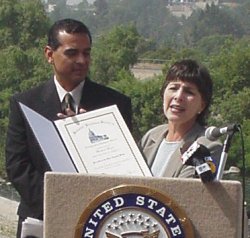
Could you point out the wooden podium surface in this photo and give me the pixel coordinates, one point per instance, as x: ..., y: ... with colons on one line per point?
x: 215, y: 209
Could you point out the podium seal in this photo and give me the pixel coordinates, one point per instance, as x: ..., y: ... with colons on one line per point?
x: 133, y: 211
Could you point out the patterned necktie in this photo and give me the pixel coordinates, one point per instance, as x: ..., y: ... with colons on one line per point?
x: 68, y: 102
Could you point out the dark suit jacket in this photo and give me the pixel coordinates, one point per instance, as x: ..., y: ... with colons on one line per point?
x: 152, y: 139
x: 25, y: 163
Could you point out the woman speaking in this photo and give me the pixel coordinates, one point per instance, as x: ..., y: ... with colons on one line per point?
x: 186, y: 94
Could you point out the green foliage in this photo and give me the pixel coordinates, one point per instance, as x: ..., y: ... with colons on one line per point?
x: 213, y: 44
x: 186, y: 53
x: 13, y: 61
x: 32, y: 24
x: 246, y: 137
x: 214, y: 20
x: 22, y: 23
x: 162, y: 53
x: 7, y: 22
x: 212, y: 36
x: 146, y: 101
x: 154, y: 21
x: 230, y: 69
x: 14, y: 72
x: 23, y: 26
x: 40, y: 69
x: 242, y: 14
x: 151, y: 18
x: 114, y: 51
x: 101, y: 7
x: 232, y: 107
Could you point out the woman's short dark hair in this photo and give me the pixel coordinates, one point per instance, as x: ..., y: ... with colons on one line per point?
x: 190, y: 71
x: 71, y: 26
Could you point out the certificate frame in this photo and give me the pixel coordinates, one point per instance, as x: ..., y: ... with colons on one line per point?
x: 100, y: 142
x: 107, y: 147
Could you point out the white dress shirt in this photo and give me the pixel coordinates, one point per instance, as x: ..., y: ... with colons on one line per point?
x: 76, y: 93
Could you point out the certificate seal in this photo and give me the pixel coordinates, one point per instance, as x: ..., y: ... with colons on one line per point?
x: 133, y: 211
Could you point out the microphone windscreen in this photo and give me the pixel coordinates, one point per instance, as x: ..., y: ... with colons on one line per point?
x: 209, y: 133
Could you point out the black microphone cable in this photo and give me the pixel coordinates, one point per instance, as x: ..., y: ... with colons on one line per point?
x: 244, y: 205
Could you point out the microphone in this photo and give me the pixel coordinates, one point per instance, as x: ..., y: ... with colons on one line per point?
x: 213, y: 133
x: 199, y: 156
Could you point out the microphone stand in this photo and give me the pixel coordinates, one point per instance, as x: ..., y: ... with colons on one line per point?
x: 223, y: 157
x: 221, y: 168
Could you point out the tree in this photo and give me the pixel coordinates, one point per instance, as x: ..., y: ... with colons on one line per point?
x: 22, y: 23
x: 101, y: 7
x: 151, y: 18
x: 61, y: 10
x: 211, y: 45
x: 7, y: 22
x: 241, y: 13
x: 230, y: 69
x: 146, y: 101
x: 32, y: 23
x: 211, y: 21
x: 114, y: 51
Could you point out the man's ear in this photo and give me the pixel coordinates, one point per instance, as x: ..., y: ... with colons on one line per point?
x: 49, y: 54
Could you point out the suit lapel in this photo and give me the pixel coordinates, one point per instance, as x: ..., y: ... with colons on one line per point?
x: 151, y: 150
x: 51, y: 104
x: 88, y: 99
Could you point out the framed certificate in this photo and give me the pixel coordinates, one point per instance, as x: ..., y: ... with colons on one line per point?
x: 97, y: 142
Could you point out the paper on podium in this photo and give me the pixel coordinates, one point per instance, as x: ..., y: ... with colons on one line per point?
x: 32, y: 227
x: 96, y: 142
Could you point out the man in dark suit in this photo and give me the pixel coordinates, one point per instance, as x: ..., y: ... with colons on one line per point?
x: 68, y: 51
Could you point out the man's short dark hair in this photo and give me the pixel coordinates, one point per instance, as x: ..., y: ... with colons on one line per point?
x: 71, y: 26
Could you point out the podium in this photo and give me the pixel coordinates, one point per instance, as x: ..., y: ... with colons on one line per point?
x: 214, y: 209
